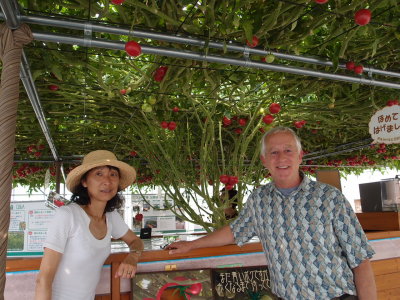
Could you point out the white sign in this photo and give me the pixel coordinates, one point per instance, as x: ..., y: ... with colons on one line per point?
x: 29, y: 221
x: 384, y: 125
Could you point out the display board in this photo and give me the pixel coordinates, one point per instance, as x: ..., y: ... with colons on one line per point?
x: 29, y: 221
x: 155, y: 215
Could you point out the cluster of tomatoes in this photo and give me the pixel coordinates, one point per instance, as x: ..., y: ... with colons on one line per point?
x: 229, y: 181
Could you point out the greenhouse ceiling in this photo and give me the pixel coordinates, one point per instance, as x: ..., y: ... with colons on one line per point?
x: 197, y: 98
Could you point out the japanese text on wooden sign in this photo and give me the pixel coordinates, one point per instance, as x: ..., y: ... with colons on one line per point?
x: 236, y: 282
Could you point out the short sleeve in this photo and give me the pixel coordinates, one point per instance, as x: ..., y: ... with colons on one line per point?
x: 59, y: 230
x: 244, y: 227
x: 351, y: 236
x: 119, y: 227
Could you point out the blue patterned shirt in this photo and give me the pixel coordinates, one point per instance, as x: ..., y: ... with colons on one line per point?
x: 311, y: 238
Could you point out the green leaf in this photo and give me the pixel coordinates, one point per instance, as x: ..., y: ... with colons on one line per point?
x: 56, y: 71
x: 37, y: 73
x: 248, y: 30
x: 294, y: 24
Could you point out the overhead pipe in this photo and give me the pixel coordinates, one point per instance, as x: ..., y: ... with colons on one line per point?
x: 115, y: 45
x: 338, y: 152
x: 12, y: 16
x: 33, y: 96
x: 84, y: 25
x: 342, y: 146
x: 11, y: 13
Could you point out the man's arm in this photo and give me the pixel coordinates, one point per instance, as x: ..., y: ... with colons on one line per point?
x: 220, y: 237
x: 365, y: 281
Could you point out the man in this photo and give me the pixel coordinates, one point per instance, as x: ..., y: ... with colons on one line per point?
x: 313, y: 242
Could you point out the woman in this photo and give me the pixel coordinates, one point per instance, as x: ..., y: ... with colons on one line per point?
x: 79, y: 238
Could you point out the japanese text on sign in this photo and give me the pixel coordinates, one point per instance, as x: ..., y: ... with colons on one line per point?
x: 236, y: 281
x: 384, y: 125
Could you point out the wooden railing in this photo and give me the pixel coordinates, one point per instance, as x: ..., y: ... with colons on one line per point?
x: 387, y: 271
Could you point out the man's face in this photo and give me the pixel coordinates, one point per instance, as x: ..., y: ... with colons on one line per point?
x: 282, y: 158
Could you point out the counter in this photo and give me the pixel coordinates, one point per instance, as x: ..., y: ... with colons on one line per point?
x: 21, y: 272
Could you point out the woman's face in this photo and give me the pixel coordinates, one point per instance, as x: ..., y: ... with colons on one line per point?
x: 101, y: 183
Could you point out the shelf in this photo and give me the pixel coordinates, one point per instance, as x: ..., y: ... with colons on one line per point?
x: 387, y: 220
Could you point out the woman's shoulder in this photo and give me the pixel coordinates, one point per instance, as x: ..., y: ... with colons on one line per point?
x: 69, y: 209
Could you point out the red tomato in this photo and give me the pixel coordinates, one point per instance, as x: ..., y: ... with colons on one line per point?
x: 164, y: 124
x: 226, y: 121
x: 133, y: 48
x: 362, y: 17
x: 321, y: 1
x: 53, y: 87
x: 268, y: 119
x: 228, y: 187
x: 160, y: 73
x: 274, y: 108
x: 253, y: 43
x: 238, y: 130
x: 299, y: 124
x: 350, y: 65
x: 242, y: 122
x: 358, y: 69
x: 233, y: 180
x: 392, y: 102
x: 117, y: 2
x: 172, y: 125
x: 175, y: 109
x: 224, y: 179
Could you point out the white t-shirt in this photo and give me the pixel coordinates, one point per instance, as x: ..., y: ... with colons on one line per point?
x: 83, y: 255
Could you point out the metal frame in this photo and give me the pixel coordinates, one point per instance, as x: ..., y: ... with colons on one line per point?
x: 12, y: 17
x: 107, y: 44
x: 228, y: 46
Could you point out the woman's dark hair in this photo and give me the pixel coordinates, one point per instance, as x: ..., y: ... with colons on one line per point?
x: 81, y: 196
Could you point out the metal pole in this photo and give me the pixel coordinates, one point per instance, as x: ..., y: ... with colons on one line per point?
x: 11, y: 13
x: 229, y: 46
x: 107, y: 44
x: 33, y: 96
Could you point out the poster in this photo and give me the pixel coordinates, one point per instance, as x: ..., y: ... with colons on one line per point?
x: 29, y: 221
x: 155, y: 215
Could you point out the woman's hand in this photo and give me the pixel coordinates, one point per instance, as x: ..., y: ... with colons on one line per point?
x: 128, y: 267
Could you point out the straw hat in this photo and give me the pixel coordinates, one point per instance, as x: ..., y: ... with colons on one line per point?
x: 101, y: 158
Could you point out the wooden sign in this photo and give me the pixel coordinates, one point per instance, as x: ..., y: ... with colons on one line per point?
x: 241, y: 283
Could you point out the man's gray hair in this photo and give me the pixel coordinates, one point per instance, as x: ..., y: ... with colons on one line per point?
x: 278, y: 130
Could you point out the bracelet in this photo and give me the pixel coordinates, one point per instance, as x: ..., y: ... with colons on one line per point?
x: 136, y: 251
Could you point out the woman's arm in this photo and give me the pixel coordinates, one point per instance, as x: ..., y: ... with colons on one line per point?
x: 128, y: 267
x: 365, y: 281
x: 48, y: 268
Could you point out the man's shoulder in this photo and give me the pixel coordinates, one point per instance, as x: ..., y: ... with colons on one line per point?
x: 262, y: 190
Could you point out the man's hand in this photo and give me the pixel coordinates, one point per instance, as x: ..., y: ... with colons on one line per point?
x: 179, y: 247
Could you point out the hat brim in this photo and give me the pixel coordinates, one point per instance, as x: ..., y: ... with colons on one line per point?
x: 127, y: 173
